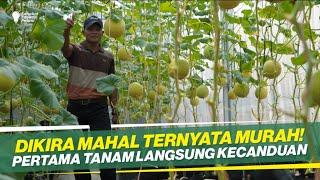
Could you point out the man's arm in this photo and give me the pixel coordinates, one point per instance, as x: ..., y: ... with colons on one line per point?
x: 67, y: 48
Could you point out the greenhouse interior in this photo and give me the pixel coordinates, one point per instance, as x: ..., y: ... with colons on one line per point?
x: 174, y: 64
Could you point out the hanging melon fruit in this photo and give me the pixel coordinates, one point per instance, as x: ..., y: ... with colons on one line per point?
x: 271, y: 69
x: 135, y: 90
x: 228, y: 4
x: 261, y: 92
x: 202, y: 91
x: 180, y: 68
x: 208, y: 52
x: 152, y: 95
x: 114, y: 27
x: 161, y: 89
x: 304, y: 98
x: 124, y: 54
x: 6, y: 82
x: 315, y: 87
x: 241, y: 90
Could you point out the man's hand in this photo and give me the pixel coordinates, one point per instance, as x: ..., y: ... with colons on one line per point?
x: 67, y: 48
x: 70, y: 23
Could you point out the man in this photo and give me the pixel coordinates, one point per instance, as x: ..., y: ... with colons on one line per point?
x: 87, y: 62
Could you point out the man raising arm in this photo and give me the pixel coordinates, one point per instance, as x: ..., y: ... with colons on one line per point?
x: 87, y: 62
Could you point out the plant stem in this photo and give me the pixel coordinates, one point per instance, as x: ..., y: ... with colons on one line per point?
x: 216, y: 44
x: 158, y: 106
x: 258, y: 55
x: 176, y: 57
x: 293, y: 19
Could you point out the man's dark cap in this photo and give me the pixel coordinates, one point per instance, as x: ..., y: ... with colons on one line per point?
x: 92, y: 20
